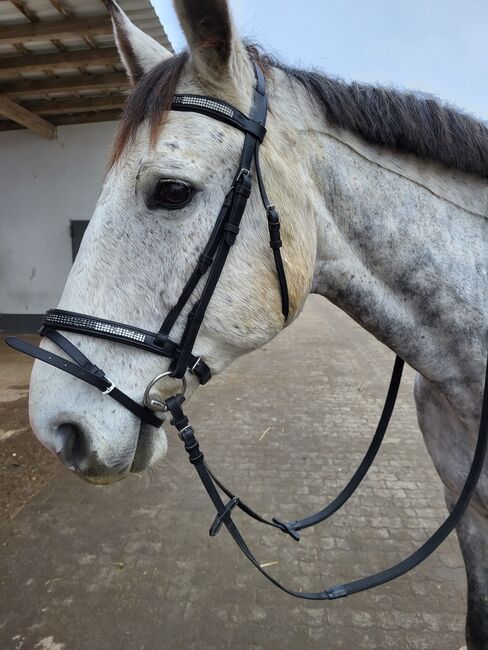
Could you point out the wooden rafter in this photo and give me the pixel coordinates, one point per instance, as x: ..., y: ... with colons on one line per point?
x: 30, y: 120
x: 66, y: 84
x: 69, y: 98
x: 55, y: 29
x: 86, y: 118
x: 21, y: 5
x: 64, y: 11
x: 32, y: 17
x: 75, y: 105
x: 58, y: 5
x: 58, y: 60
x: 62, y: 120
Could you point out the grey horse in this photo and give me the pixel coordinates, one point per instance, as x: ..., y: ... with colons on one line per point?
x: 383, y: 197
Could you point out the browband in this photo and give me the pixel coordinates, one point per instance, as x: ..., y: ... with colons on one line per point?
x: 220, y: 110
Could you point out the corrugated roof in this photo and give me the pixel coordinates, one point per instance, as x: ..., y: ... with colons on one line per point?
x: 58, y: 59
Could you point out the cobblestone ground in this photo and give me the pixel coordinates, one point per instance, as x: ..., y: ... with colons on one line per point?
x: 131, y: 566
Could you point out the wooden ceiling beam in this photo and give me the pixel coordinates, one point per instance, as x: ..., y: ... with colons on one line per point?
x: 63, y: 120
x: 57, y: 60
x: 23, y: 116
x: 58, y: 5
x: 21, y: 6
x: 86, y: 118
x: 76, y: 105
x: 57, y: 29
x: 65, y: 84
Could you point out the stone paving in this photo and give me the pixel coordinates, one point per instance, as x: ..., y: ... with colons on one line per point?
x: 131, y: 565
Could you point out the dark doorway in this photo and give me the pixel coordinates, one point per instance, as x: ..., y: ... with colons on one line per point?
x: 77, y: 230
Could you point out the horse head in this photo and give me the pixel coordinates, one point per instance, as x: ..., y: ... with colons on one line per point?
x: 168, y: 177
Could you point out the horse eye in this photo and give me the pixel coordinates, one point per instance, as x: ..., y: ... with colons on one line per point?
x: 171, y: 194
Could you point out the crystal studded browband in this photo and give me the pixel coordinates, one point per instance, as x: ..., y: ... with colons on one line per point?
x: 58, y: 319
x: 216, y: 108
x: 204, y: 102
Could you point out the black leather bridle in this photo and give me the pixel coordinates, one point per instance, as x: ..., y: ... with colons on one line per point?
x: 210, y: 265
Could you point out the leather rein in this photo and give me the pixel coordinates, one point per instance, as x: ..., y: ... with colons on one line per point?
x: 210, y: 265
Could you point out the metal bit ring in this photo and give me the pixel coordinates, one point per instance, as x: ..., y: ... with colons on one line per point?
x: 155, y: 404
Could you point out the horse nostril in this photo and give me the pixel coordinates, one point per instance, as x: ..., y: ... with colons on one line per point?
x: 72, y: 447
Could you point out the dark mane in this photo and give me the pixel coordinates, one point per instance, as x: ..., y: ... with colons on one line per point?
x: 149, y: 99
x: 406, y: 121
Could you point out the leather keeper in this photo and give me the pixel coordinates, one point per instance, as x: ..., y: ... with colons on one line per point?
x: 244, y: 185
x: 204, y: 262
x: 201, y: 371
x: 231, y: 232
x: 274, y: 228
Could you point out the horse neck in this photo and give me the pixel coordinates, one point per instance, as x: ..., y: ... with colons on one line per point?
x: 409, y: 266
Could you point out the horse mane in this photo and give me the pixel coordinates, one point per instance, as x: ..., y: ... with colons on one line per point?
x: 150, y: 100
x: 412, y: 122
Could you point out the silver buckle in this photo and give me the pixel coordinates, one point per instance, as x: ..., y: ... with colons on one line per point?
x: 246, y: 172
x: 180, y: 433
x: 109, y: 389
x: 195, y: 364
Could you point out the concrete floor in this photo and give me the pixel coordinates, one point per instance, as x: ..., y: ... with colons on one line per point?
x: 131, y: 565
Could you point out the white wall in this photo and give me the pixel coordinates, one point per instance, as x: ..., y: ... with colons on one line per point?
x: 43, y: 185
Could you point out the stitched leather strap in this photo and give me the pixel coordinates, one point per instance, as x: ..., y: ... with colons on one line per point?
x: 83, y: 369
x: 204, y: 262
x: 195, y: 318
x: 275, y: 242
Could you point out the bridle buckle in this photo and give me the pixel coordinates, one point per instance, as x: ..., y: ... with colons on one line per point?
x: 180, y: 433
x: 243, y: 172
x: 192, y: 369
x: 109, y: 389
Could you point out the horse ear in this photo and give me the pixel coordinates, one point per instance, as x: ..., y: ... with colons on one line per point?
x: 210, y: 34
x: 138, y: 51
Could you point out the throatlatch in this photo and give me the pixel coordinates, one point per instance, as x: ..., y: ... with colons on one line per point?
x: 210, y: 265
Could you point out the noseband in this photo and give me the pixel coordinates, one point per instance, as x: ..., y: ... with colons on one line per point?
x: 210, y: 265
